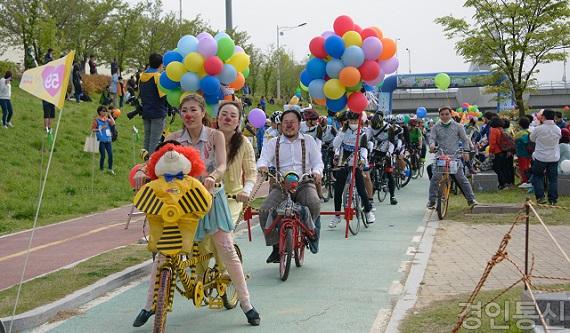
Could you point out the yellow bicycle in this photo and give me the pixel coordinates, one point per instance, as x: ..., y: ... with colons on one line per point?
x: 446, y: 166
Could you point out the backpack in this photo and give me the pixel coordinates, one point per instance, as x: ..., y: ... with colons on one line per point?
x: 114, y: 133
x: 507, y: 143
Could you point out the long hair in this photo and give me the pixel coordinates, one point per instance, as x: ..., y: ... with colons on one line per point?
x: 237, y: 138
x: 201, y: 102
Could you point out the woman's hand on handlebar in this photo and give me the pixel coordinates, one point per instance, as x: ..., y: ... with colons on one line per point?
x: 317, y: 177
x: 242, y: 197
x: 263, y: 170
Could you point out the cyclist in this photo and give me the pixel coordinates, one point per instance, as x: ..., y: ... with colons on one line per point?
x: 416, y: 138
x: 327, y: 151
x: 447, y: 134
x: 310, y: 126
x: 345, y: 145
x: 274, y: 130
x: 382, y: 136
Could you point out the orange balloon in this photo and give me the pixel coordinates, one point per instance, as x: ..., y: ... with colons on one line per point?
x: 389, y: 49
x: 228, y: 98
x: 320, y: 101
x: 238, y: 83
x: 378, y: 31
x: 349, y: 76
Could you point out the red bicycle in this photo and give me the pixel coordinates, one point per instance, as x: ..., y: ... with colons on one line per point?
x: 294, y: 236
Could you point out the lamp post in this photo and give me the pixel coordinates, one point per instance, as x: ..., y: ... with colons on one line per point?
x: 397, y: 52
x: 280, y: 31
x: 409, y: 60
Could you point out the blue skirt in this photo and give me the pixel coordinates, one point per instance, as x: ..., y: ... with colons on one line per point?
x: 219, y: 217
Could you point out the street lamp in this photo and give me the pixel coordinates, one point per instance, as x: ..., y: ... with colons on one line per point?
x: 409, y: 60
x: 280, y: 31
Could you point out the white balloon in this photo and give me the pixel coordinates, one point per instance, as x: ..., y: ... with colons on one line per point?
x: 565, y: 166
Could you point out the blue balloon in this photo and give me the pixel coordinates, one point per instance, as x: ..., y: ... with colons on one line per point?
x: 316, y: 68
x: 305, y: 78
x: 316, y: 88
x: 421, y: 112
x: 210, y: 85
x: 334, y: 45
x: 211, y: 99
x: 190, y: 82
x: 228, y: 74
x: 187, y: 44
x: 171, y: 56
x: 221, y: 35
x: 353, y: 56
x: 333, y: 68
x: 367, y: 87
x: 168, y: 83
x: 336, y: 104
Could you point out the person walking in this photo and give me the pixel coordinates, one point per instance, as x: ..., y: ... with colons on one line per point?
x: 545, y: 158
x: 153, y: 103
x: 102, y: 127
x: 5, y: 99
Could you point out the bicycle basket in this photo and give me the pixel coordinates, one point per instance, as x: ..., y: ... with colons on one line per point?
x: 446, y: 165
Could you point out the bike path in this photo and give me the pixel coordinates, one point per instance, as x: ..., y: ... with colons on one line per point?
x: 341, y: 289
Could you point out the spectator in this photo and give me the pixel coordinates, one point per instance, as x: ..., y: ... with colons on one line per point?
x: 102, y: 127
x: 559, y: 120
x: 114, y: 86
x: 262, y: 102
x: 509, y: 148
x: 499, y: 157
x: 545, y: 158
x: 114, y: 66
x: 132, y: 85
x: 49, y: 56
x: 49, y: 115
x: 76, y: 80
x: 5, y: 96
x: 524, y: 151
x: 564, y: 147
x: 92, y: 65
x: 271, y: 100
x: 153, y: 103
x: 105, y: 98
x: 121, y: 91
x: 485, y: 128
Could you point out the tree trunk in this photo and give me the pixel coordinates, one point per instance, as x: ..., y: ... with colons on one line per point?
x: 519, y: 101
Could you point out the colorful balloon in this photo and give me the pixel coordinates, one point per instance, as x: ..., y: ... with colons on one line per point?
x: 349, y: 76
x: 207, y: 47
x: 354, y: 88
x: 317, y: 47
x: 240, y: 61
x: 353, y: 56
x: 238, y: 83
x: 351, y: 38
x: 316, y: 68
x: 369, y: 70
x: 238, y: 49
x: 374, y: 82
x: 190, y: 82
x: 336, y: 105
x: 333, y: 89
x: 357, y: 102
x: 171, y: 56
x: 378, y: 32
x: 389, y: 66
x: 257, y: 118
x: 175, y: 70
x: 245, y: 72
x: 194, y: 62
x: 221, y: 35
x: 305, y: 78
x: 173, y: 97
x: 372, y: 48
x: 334, y: 67
x: 421, y: 112
x: 388, y: 49
x: 369, y: 32
x: 316, y: 89
x: 228, y: 74
x: 226, y: 48
x: 213, y: 65
x: 327, y: 34
x: 187, y: 44
x: 210, y: 85
x: 204, y: 34
x: 334, y: 45
x: 343, y: 24
x: 442, y: 81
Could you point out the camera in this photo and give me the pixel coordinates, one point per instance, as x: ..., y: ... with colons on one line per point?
x: 134, y: 101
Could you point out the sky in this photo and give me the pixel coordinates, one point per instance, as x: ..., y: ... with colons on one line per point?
x: 409, y: 21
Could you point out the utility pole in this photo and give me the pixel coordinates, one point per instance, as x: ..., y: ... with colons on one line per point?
x: 180, y: 13
x: 229, y: 23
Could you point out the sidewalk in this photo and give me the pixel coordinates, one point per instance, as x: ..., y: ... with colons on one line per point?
x: 461, y: 252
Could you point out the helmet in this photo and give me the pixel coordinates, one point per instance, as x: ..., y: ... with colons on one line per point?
x: 377, y: 120
x: 390, y: 118
x: 310, y: 114
x: 341, y: 116
x: 276, y: 117
x: 323, y: 121
x: 351, y: 115
x: 399, y: 119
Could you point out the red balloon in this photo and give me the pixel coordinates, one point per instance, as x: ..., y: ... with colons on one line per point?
x: 368, y: 32
x: 213, y: 65
x: 369, y: 70
x: 357, y: 28
x: 343, y: 24
x: 317, y: 47
x: 357, y: 102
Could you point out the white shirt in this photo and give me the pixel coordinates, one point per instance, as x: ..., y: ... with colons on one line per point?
x: 344, y: 145
x: 546, y: 137
x: 310, y: 131
x: 5, y: 89
x: 290, y: 155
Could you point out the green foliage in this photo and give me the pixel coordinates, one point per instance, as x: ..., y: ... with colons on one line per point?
x: 513, y: 37
x: 9, y: 66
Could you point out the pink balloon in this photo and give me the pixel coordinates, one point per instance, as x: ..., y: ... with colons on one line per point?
x: 372, y: 48
x: 257, y: 118
x: 327, y: 34
x: 203, y: 35
x: 389, y: 66
x: 207, y: 47
x: 238, y: 49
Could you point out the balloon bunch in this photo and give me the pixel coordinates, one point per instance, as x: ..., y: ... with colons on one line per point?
x: 342, y: 61
x: 470, y: 110
x: 204, y: 64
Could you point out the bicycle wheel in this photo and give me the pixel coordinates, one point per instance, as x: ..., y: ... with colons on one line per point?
x: 354, y: 223
x: 414, y: 166
x: 382, y: 184
x: 230, y: 297
x: 421, y: 171
x: 162, y: 299
x: 286, y: 254
x: 363, y: 217
x: 443, y: 198
x: 300, y: 254
x: 406, y: 174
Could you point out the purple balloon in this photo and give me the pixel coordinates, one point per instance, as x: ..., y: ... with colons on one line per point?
x: 327, y: 34
x: 238, y: 49
x: 207, y: 47
x: 203, y: 35
x: 257, y: 118
x: 372, y: 48
x: 389, y: 66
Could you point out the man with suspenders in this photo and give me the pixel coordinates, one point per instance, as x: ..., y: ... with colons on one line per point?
x: 291, y: 151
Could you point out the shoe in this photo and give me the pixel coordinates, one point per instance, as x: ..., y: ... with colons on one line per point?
x: 47, y: 130
x: 552, y: 202
x: 10, y: 125
x: 371, y: 217
x: 142, y: 318
x: 111, y: 172
x: 541, y: 201
x: 274, y: 256
x: 393, y: 201
x: 313, y: 245
x: 326, y: 199
x: 472, y: 203
x: 5, y: 126
x: 525, y: 185
x: 334, y: 222
x: 430, y: 205
x: 253, y: 317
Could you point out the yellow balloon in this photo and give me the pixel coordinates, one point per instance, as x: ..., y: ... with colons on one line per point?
x: 194, y: 62
x: 240, y: 61
x: 294, y: 100
x: 333, y: 89
x: 352, y: 38
x: 175, y: 70
x: 202, y: 72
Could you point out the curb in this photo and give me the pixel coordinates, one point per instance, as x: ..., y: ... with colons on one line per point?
x: 45, y: 313
x: 409, y: 295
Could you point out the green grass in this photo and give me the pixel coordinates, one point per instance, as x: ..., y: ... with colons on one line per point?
x: 56, y: 285
x: 458, y: 208
x: 68, y: 190
x: 441, y: 316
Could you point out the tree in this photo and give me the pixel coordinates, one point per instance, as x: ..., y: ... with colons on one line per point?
x: 513, y: 37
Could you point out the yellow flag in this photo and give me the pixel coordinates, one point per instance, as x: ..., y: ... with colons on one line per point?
x: 49, y: 82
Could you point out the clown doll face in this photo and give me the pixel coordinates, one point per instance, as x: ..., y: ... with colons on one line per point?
x: 192, y: 114
x: 228, y: 118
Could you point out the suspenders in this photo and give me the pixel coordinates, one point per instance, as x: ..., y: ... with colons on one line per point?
x: 303, y: 153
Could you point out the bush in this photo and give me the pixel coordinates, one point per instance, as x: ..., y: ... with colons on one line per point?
x: 10, y: 66
x: 95, y: 83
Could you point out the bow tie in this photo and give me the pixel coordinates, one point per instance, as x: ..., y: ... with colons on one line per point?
x: 170, y: 177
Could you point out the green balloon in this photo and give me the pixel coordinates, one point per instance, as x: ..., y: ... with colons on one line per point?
x: 173, y: 97
x: 212, y: 110
x: 226, y: 48
x: 357, y: 87
x: 245, y: 72
x: 303, y: 87
x: 379, y: 85
x: 406, y: 119
x: 442, y: 81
